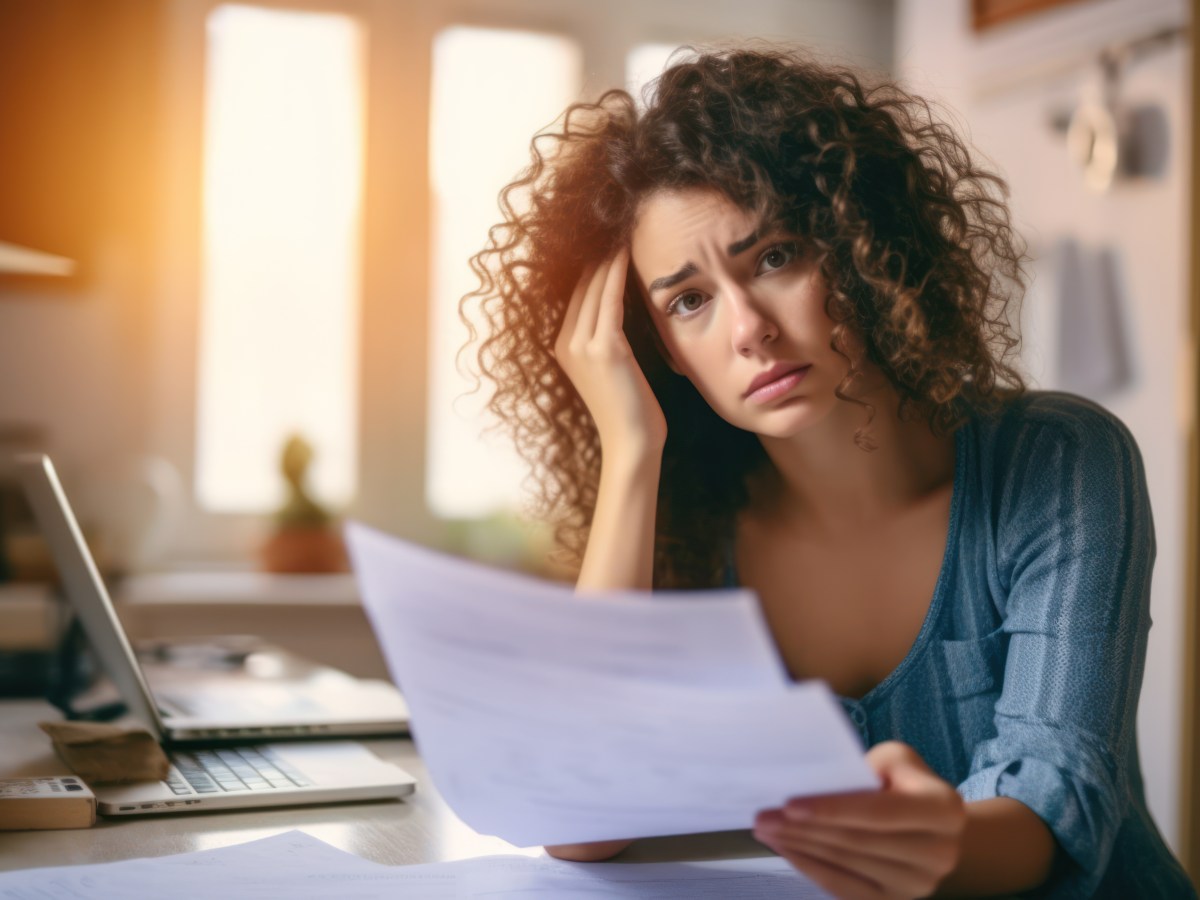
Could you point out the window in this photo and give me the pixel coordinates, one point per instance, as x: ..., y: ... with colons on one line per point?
x: 492, y: 89
x: 644, y: 63
x: 279, y: 311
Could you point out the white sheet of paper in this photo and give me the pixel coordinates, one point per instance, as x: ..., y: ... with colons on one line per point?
x: 761, y: 878
x: 298, y: 866
x: 292, y: 864
x: 546, y: 718
x: 472, y: 612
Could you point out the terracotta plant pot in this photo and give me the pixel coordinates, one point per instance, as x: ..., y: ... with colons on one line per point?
x: 298, y: 550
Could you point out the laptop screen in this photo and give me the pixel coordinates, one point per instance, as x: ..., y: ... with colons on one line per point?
x: 84, y: 587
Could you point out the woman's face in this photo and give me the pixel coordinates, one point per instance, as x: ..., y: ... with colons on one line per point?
x: 740, y: 313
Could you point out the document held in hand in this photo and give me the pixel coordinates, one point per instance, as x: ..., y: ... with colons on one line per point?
x: 546, y: 717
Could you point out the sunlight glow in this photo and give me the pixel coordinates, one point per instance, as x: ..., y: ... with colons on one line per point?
x: 283, y: 171
x: 643, y: 64
x: 492, y: 90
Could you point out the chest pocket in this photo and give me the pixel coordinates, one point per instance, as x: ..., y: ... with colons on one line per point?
x: 975, y: 666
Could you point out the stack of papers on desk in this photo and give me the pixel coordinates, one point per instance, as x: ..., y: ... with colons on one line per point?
x: 550, y: 718
x: 298, y: 866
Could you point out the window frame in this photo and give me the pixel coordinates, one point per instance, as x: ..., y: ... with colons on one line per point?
x: 394, y: 278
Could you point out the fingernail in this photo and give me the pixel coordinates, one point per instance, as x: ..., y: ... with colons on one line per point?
x: 797, y: 811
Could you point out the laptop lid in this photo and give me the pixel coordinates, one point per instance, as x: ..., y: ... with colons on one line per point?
x: 366, y: 708
x: 85, y: 588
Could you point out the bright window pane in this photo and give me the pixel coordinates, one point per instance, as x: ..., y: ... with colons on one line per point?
x: 492, y: 90
x: 644, y: 63
x: 283, y: 159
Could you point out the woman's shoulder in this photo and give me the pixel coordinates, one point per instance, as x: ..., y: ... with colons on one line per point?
x: 1041, y: 421
x: 1045, y: 442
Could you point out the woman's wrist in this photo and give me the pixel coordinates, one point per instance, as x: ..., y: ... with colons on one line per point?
x: 641, y: 455
x: 620, y: 551
x: 632, y: 469
x: 1005, y: 848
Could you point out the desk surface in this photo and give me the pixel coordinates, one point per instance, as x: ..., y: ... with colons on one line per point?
x: 420, y: 828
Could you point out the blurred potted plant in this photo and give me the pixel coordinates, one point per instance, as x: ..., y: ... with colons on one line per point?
x: 305, y: 539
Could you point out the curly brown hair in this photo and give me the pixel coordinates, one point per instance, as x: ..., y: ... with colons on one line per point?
x: 913, y: 237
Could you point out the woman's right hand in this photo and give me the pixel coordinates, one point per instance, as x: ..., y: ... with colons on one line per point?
x: 595, y: 353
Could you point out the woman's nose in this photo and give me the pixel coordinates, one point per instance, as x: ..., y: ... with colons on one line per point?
x: 752, y: 326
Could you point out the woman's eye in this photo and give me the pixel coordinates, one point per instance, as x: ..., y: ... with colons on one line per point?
x: 776, y: 257
x: 686, y: 304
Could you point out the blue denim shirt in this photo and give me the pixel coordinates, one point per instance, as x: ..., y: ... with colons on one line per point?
x: 1023, y: 681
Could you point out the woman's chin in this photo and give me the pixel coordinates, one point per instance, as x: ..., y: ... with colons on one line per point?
x: 786, y: 418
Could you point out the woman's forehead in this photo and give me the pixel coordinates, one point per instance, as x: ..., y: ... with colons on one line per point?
x: 675, y: 222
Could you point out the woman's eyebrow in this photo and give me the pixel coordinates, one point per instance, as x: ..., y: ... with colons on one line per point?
x: 689, y: 269
x: 744, y: 244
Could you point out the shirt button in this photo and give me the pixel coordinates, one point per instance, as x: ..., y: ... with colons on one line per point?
x: 858, y: 716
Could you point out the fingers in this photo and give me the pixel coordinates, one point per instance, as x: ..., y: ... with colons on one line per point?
x: 913, y: 799
x: 898, y: 847
x: 839, y: 882
x: 860, y: 874
x: 571, y: 318
x: 589, y: 310
x: 612, y: 311
x: 935, y: 813
x: 596, y: 302
x: 907, y: 863
x: 900, y: 841
x: 894, y: 760
x: 593, y: 351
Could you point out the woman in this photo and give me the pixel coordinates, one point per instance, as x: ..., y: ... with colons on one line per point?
x: 758, y: 334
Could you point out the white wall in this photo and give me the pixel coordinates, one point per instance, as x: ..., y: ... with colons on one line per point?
x: 73, y: 366
x: 1007, y: 86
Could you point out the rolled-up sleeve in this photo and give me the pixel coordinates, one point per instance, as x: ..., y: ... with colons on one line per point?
x: 1074, y: 550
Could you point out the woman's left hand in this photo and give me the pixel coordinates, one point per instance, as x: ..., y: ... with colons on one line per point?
x: 899, y: 841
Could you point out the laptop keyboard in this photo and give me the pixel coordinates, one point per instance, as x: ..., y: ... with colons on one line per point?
x: 231, y: 769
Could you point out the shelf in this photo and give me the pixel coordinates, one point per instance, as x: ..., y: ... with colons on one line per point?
x: 16, y: 260
x: 234, y: 588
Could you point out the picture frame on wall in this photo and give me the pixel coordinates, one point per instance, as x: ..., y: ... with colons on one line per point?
x: 987, y: 14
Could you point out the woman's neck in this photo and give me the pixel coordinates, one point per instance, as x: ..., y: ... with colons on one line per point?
x: 823, y: 480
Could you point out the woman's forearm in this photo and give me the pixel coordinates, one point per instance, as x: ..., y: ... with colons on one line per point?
x: 1006, y: 848
x: 620, y: 548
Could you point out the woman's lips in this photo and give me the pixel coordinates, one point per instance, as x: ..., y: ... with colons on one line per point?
x: 778, y: 386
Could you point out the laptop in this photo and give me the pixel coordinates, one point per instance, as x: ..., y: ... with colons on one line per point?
x: 214, y: 774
